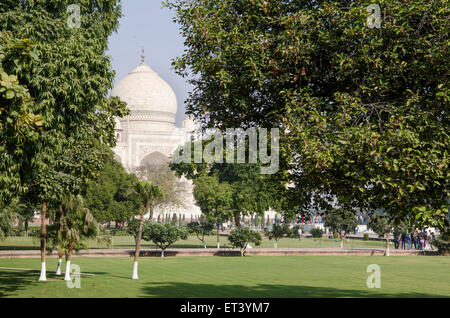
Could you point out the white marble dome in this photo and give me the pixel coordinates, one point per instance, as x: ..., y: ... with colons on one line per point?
x: 145, y: 91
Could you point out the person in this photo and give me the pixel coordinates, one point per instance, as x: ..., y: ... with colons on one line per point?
x: 299, y: 234
x: 408, y: 241
x: 396, y: 242
x: 403, y: 238
x: 421, y: 241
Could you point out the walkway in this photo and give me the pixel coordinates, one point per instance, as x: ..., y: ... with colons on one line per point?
x: 222, y: 252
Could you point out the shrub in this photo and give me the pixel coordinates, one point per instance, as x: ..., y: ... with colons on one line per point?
x: 366, y: 237
x: 241, y: 237
x: 163, y: 235
x: 443, y: 244
x: 316, y: 232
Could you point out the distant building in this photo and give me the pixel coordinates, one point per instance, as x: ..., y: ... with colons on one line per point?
x: 149, y: 135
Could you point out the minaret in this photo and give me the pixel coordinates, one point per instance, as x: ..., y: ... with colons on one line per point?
x: 143, y: 56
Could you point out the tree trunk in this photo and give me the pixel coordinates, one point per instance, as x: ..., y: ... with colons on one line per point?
x: 58, y: 269
x: 26, y: 227
x: 342, y: 241
x: 162, y: 253
x: 237, y: 220
x: 218, y: 241
x: 43, y: 276
x: 138, y: 245
x: 387, y: 245
x: 242, y: 253
x: 69, y: 257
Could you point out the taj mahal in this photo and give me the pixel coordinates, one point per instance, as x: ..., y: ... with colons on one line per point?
x: 149, y: 135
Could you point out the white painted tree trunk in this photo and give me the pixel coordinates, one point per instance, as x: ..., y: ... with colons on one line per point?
x: 342, y: 244
x: 162, y: 253
x: 58, y: 269
x: 135, y: 271
x: 387, y: 251
x: 276, y: 244
x: 218, y: 244
x: 43, y: 276
x: 67, y: 274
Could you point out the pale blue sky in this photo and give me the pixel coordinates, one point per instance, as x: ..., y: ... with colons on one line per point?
x: 146, y: 23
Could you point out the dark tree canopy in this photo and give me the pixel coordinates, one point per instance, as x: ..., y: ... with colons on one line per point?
x: 362, y: 112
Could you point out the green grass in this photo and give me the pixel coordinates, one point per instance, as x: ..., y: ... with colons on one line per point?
x: 257, y: 277
x: 127, y: 242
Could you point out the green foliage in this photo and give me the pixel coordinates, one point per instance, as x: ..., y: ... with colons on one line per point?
x: 241, y: 237
x: 163, y: 234
x: 380, y: 224
x: 362, y: 112
x: 133, y: 228
x: 341, y: 220
x: 366, y: 237
x: 293, y: 233
x: 119, y: 232
x: 6, y: 218
x: 111, y: 196
x: 163, y: 177
x: 68, y: 74
x: 200, y: 230
x: 213, y: 198
x: 72, y: 223
x: 277, y: 232
x: 147, y: 193
x: 316, y: 232
x: 443, y: 244
x: 251, y: 192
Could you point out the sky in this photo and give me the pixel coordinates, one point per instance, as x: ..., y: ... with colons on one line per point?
x: 144, y: 22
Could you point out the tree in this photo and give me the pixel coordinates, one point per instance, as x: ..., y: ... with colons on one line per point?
x: 173, y: 188
x: 147, y: 192
x: 251, y: 191
x: 17, y: 121
x: 111, y: 195
x: 341, y: 220
x: 383, y: 226
x: 69, y: 77
x: 242, y: 237
x: 164, y: 234
x: 74, y: 223
x: 362, y: 111
x: 214, y: 199
x: 200, y: 230
x: 277, y: 232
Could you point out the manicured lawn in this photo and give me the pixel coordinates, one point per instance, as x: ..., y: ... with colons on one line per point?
x: 192, y: 241
x: 262, y: 276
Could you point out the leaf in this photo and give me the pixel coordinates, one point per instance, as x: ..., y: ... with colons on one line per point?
x: 9, y: 94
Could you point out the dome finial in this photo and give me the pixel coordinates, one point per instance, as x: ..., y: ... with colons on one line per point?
x: 143, y: 55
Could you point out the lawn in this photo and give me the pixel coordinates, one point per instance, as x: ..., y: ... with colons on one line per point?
x: 260, y: 276
x: 20, y: 243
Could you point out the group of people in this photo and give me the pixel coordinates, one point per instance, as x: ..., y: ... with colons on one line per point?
x: 420, y: 239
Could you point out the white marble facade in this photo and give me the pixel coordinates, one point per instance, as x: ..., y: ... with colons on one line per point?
x: 149, y: 134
